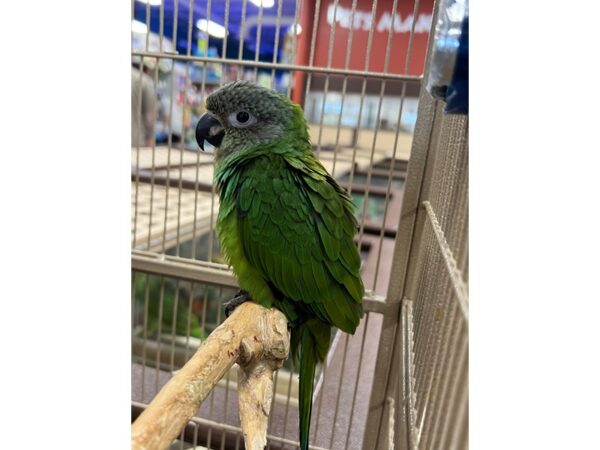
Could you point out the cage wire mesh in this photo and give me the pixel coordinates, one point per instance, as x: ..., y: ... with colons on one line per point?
x: 438, y: 294
x: 355, y: 66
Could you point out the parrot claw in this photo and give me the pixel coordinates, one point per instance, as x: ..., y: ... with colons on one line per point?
x: 240, y: 297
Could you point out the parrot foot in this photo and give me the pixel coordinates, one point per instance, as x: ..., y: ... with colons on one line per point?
x: 240, y: 297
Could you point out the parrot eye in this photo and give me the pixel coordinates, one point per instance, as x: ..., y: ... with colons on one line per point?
x: 241, y: 119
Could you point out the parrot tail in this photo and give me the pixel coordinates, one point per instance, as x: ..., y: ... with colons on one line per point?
x: 314, y: 337
x: 308, y: 363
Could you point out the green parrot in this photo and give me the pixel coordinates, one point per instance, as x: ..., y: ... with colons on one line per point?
x: 285, y: 226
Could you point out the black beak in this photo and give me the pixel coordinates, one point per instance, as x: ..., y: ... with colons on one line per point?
x: 209, y: 129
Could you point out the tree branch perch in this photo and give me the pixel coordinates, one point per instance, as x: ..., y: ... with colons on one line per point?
x: 257, y: 339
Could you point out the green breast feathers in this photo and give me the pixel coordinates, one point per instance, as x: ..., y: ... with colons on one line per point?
x: 287, y: 230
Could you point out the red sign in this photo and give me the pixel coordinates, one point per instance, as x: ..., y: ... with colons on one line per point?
x: 387, y: 25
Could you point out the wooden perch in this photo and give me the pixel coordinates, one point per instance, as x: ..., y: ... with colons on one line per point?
x: 257, y: 339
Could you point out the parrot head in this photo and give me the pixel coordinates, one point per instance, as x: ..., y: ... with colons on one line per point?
x: 242, y: 115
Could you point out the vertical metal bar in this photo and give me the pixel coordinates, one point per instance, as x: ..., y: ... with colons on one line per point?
x: 139, y: 109
x: 312, y: 47
x: 224, y: 47
x: 355, y: 391
x: 174, y: 326
x: 181, y: 439
x: 175, y: 29
x: 362, y: 94
x: 258, y: 36
x: 180, y: 184
x: 196, y: 425
x: 223, y: 436
x: 294, y: 44
x: 167, y: 191
x: 190, y: 27
x: 136, y: 197
x: 287, y: 403
x: 324, y: 373
x: 344, y: 86
x: 152, y: 169
x: 212, y: 394
x: 339, y: 390
x: 145, y: 337
x: 170, y: 123
x: 389, y: 187
x: 147, y: 28
x: 183, y: 131
x: 133, y: 299
x: 159, y: 331
x: 204, y: 308
x: 242, y: 32
x: 138, y: 139
x: 209, y: 437
x: 161, y: 28
x: 211, y: 233
x: 408, y: 379
x: 370, y: 167
x: 189, y: 321
x: 194, y: 225
x: 403, y: 386
x: 326, y: 87
x: 276, y: 43
x: 152, y: 180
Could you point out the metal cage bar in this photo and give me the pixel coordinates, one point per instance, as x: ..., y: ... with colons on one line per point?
x: 281, y: 66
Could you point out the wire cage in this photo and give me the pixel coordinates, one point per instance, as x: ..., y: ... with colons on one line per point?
x: 356, y: 67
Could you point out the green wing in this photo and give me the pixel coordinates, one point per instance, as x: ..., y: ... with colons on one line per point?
x: 297, y: 227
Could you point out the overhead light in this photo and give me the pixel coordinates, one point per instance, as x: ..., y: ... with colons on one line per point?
x: 264, y: 3
x: 138, y: 27
x: 212, y: 28
x: 151, y: 2
x: 298, y: 28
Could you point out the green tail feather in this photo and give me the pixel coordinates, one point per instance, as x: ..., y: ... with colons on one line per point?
x: 308, y: 363
x: 313, y: 337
